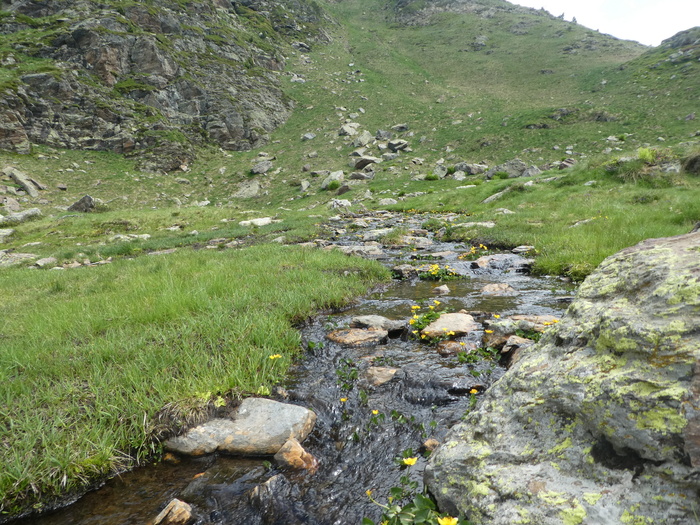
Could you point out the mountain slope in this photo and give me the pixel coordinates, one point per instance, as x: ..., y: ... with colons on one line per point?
x: 149, y: 78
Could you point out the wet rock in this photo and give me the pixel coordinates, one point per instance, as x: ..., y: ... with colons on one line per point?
x: 448, y: 348
x: 502, y: 261
x: 521, y: 250
x: 404, y: 271
x: 358, y: 337
x: 275, y: 502
x: 514, y: 347
x: 175, y: 513
x: 498, y: 289
x: 460, y: 324
x: 259, y: 427
x: 377, y: 322
x: 599, y: 422
x: 361, y: 251
x: 84, y: 205
x: 441, y: 290
x: 292, y: 455
x: 379, y: 375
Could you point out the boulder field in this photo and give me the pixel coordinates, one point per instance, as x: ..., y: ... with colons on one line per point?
x: 600, y: 421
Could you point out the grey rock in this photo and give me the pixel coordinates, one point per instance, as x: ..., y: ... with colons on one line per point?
x: 262, y: 167
x: 5, y: 233
x: 379, y: 375
x: 459, y: 323
x: 384, y: 135
x: 46, y: 261
x: 405, y: 271
x: 471, y: 169
x: 23, y: 181
x: 400, y: 128
x: 308, y: 136
x: 363, y: 139
x: 357, y: 337
x: 514, y: 168
x: 531, y: 172
x: 349, y: 130
x: 8, y: 258
x: 397, y: 145
x: 387, y: 202
x: 84, y: 205
x: 376, y: 322
x: 440, y: 170
x: 259, y: 427
x: 20, y: 217
x: 248, y: 190
x: 336, y: 176
x: 340, y: 203
x: 365, y: 161
x: 599, y: 422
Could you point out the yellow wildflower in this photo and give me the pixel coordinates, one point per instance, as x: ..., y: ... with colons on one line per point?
x: 415, y: 307
x: 343, y: 399
x: 275, y: 356
x: 462, y: 343
x: 448, y: 520
x: 431, y: 307
x: 375, y: 412
x: 412, y: 321
x: 409, y: 461
x: 368, y: 492
x: 436, y: 302
x: 497, y: 316
x: 488, y: 331
x: 473, y: 391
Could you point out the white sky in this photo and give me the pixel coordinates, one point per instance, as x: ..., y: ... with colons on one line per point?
x: 646, y: 21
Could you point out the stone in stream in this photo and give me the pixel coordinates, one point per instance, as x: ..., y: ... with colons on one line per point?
x: 175, y: 513
x: 440, y: 290
x: 377, y: 322
x: 404, y: 271
x: 293, y: 455
x: 459, y: 323
x: 498, y: 289
x: 260, y: 426
x: 599, y: 422
x: 358, y: 337
x: 378, y: 375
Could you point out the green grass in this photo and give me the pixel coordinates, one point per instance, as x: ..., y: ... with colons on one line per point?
x: 99, y: 363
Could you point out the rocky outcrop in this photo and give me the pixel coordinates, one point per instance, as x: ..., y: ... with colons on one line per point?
x: 150, y: 79
x: 600, y: 421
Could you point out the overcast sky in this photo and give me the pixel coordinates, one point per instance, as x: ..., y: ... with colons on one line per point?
x: 646, y: 21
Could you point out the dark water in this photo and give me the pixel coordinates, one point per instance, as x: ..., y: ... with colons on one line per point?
x: 355, y: 447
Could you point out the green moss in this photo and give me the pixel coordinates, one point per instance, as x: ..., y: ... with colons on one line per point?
x: 663, y: 420
x: 561, y: 447
x: 573, y: 516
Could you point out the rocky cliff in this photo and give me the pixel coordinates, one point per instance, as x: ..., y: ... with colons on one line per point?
x: 600, y: 421
x: 153, y: 78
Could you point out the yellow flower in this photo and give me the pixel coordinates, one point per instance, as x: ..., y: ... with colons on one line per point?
x: 555, y: 321
x: 450, y: 333
x: 422, y: 336
x: 415, y: 307
x: 415, y: 332
x: 275, y: 356
x: 431, y: 307
x: 412, y: 321
x: 448, y: 520
x: 473, y: 391
x: 368, y: 492
x: 375, y: 412
x: 436, y: 302
x: 497, y: 316
x: 343, y: 399
x: 409, y: 461
x: 462, y: 343
x: 546, y: 323
x: 488, y: 331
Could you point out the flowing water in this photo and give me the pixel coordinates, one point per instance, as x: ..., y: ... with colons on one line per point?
x: 356, y: 441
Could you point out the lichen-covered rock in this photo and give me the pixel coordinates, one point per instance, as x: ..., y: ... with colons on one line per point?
x: 600, y: 421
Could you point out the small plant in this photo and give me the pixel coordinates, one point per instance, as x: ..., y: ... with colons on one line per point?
x: 431, y: 177
x: 479, y: 354
x: 394, y: 237
x: 646, y: 155
x: 435, y: 272
x: 333, y: 185
x: 475, y: 252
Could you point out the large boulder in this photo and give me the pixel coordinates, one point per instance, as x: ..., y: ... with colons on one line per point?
x: 600, y: 421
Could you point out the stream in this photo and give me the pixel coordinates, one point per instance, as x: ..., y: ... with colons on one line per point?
x: 362, y: 429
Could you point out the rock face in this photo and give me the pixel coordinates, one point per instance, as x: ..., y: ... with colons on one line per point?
x: 600, y: 421
x: 261, y: 426
x: 151, y: 79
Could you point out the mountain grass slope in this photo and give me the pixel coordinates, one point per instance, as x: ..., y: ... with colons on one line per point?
x: 480, y: 81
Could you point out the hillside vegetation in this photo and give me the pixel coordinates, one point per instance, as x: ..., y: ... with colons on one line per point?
x: 477, y: 82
